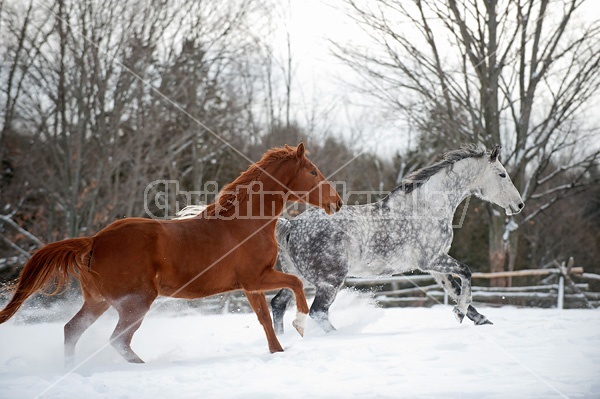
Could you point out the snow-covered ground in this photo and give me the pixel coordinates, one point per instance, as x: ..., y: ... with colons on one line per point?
x: 376, y: 353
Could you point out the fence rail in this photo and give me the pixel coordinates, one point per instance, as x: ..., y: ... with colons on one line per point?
x: 417, y: 290
x: 421, y: 290
x: 526, y: 273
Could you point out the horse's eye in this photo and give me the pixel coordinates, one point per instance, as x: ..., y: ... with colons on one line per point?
x: 313, y: 172
x: 503, y: 175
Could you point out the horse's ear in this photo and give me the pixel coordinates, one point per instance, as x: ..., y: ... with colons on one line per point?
x: 287, y: 147
x: 300, y: 150
x: 495, y: 154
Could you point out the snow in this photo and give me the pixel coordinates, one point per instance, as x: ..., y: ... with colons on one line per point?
x: 375, y: 353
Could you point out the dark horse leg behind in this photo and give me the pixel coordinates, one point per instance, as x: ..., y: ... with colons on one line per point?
x: 327, y: 286
x: 441, y: 271
x: 319, y: 310
x: 279, y: 304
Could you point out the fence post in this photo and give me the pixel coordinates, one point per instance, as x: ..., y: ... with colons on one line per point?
x: 561, y: 291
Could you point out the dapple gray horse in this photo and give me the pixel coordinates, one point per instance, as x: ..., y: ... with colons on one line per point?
x: 409, y: 229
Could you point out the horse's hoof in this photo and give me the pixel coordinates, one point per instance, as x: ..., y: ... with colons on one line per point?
x: 482, y: 321
x: 275, y: 347
x: 298, y: 327
x: 326, y: 325
x: 299, y: 323
x: 459, y: 315
x: 329, y: 328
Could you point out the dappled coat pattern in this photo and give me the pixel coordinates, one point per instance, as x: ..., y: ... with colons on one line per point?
x: 410, y: 229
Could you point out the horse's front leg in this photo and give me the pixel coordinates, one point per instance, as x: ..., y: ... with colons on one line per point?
x: 324, y: 297
x: 279, y: 305
x: 452, y: 287
x: 447, y: 265
x: 259, y: 305
x: 272, y: 279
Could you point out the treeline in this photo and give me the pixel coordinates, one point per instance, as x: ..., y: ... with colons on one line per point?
x: 102, y: 98
x: 98, y: 99
x: 35, y: 214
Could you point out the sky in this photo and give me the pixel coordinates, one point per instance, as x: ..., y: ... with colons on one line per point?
x: 320, y: 76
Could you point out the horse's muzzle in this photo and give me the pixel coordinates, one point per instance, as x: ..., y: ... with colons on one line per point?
x: 513, y: 210
x: 334, y: 207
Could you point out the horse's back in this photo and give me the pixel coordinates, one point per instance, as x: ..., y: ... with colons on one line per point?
x: 163, y: 256
x: 360, y: 240
x: 202, y: 257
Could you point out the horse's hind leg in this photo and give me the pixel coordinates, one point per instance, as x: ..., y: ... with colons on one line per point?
x: 477, y: 317
x: 261, y: 308
x: 279, y: 304
x: 132, y: 310
x: 452, y: 287
x: 91, y: 310
x: 319, y: 311
x: 445, y: 264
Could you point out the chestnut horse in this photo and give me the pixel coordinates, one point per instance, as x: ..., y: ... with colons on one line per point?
x: 229, y: 246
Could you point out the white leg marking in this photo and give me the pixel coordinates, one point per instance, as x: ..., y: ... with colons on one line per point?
x: 300, y: 323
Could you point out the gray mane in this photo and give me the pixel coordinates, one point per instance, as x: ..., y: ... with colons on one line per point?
x: 419, y: 177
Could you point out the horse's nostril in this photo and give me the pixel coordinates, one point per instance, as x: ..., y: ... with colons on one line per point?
x: 521, y: 205
x: 339, y: 204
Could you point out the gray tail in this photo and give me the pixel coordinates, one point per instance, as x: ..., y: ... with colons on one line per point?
x: 283, y: 231
x: 282, y: 234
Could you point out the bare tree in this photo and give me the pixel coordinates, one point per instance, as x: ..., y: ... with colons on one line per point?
x: 276, y: 64
x: 519, y: 73
x: 111, y: 95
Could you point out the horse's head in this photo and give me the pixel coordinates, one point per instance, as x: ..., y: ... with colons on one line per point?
x: 308, y: 185
x: 496, y: 186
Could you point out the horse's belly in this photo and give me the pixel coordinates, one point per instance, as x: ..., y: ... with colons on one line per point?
x: 196, y: 274
x: 372, y: 267
x: 192, y: 285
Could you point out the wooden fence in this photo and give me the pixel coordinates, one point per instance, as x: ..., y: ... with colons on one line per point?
x: 563, y: 287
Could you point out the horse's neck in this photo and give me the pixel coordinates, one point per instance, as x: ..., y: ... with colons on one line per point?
x: 445, y: 190
x: 267, y: 202
x: 455, y: 184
